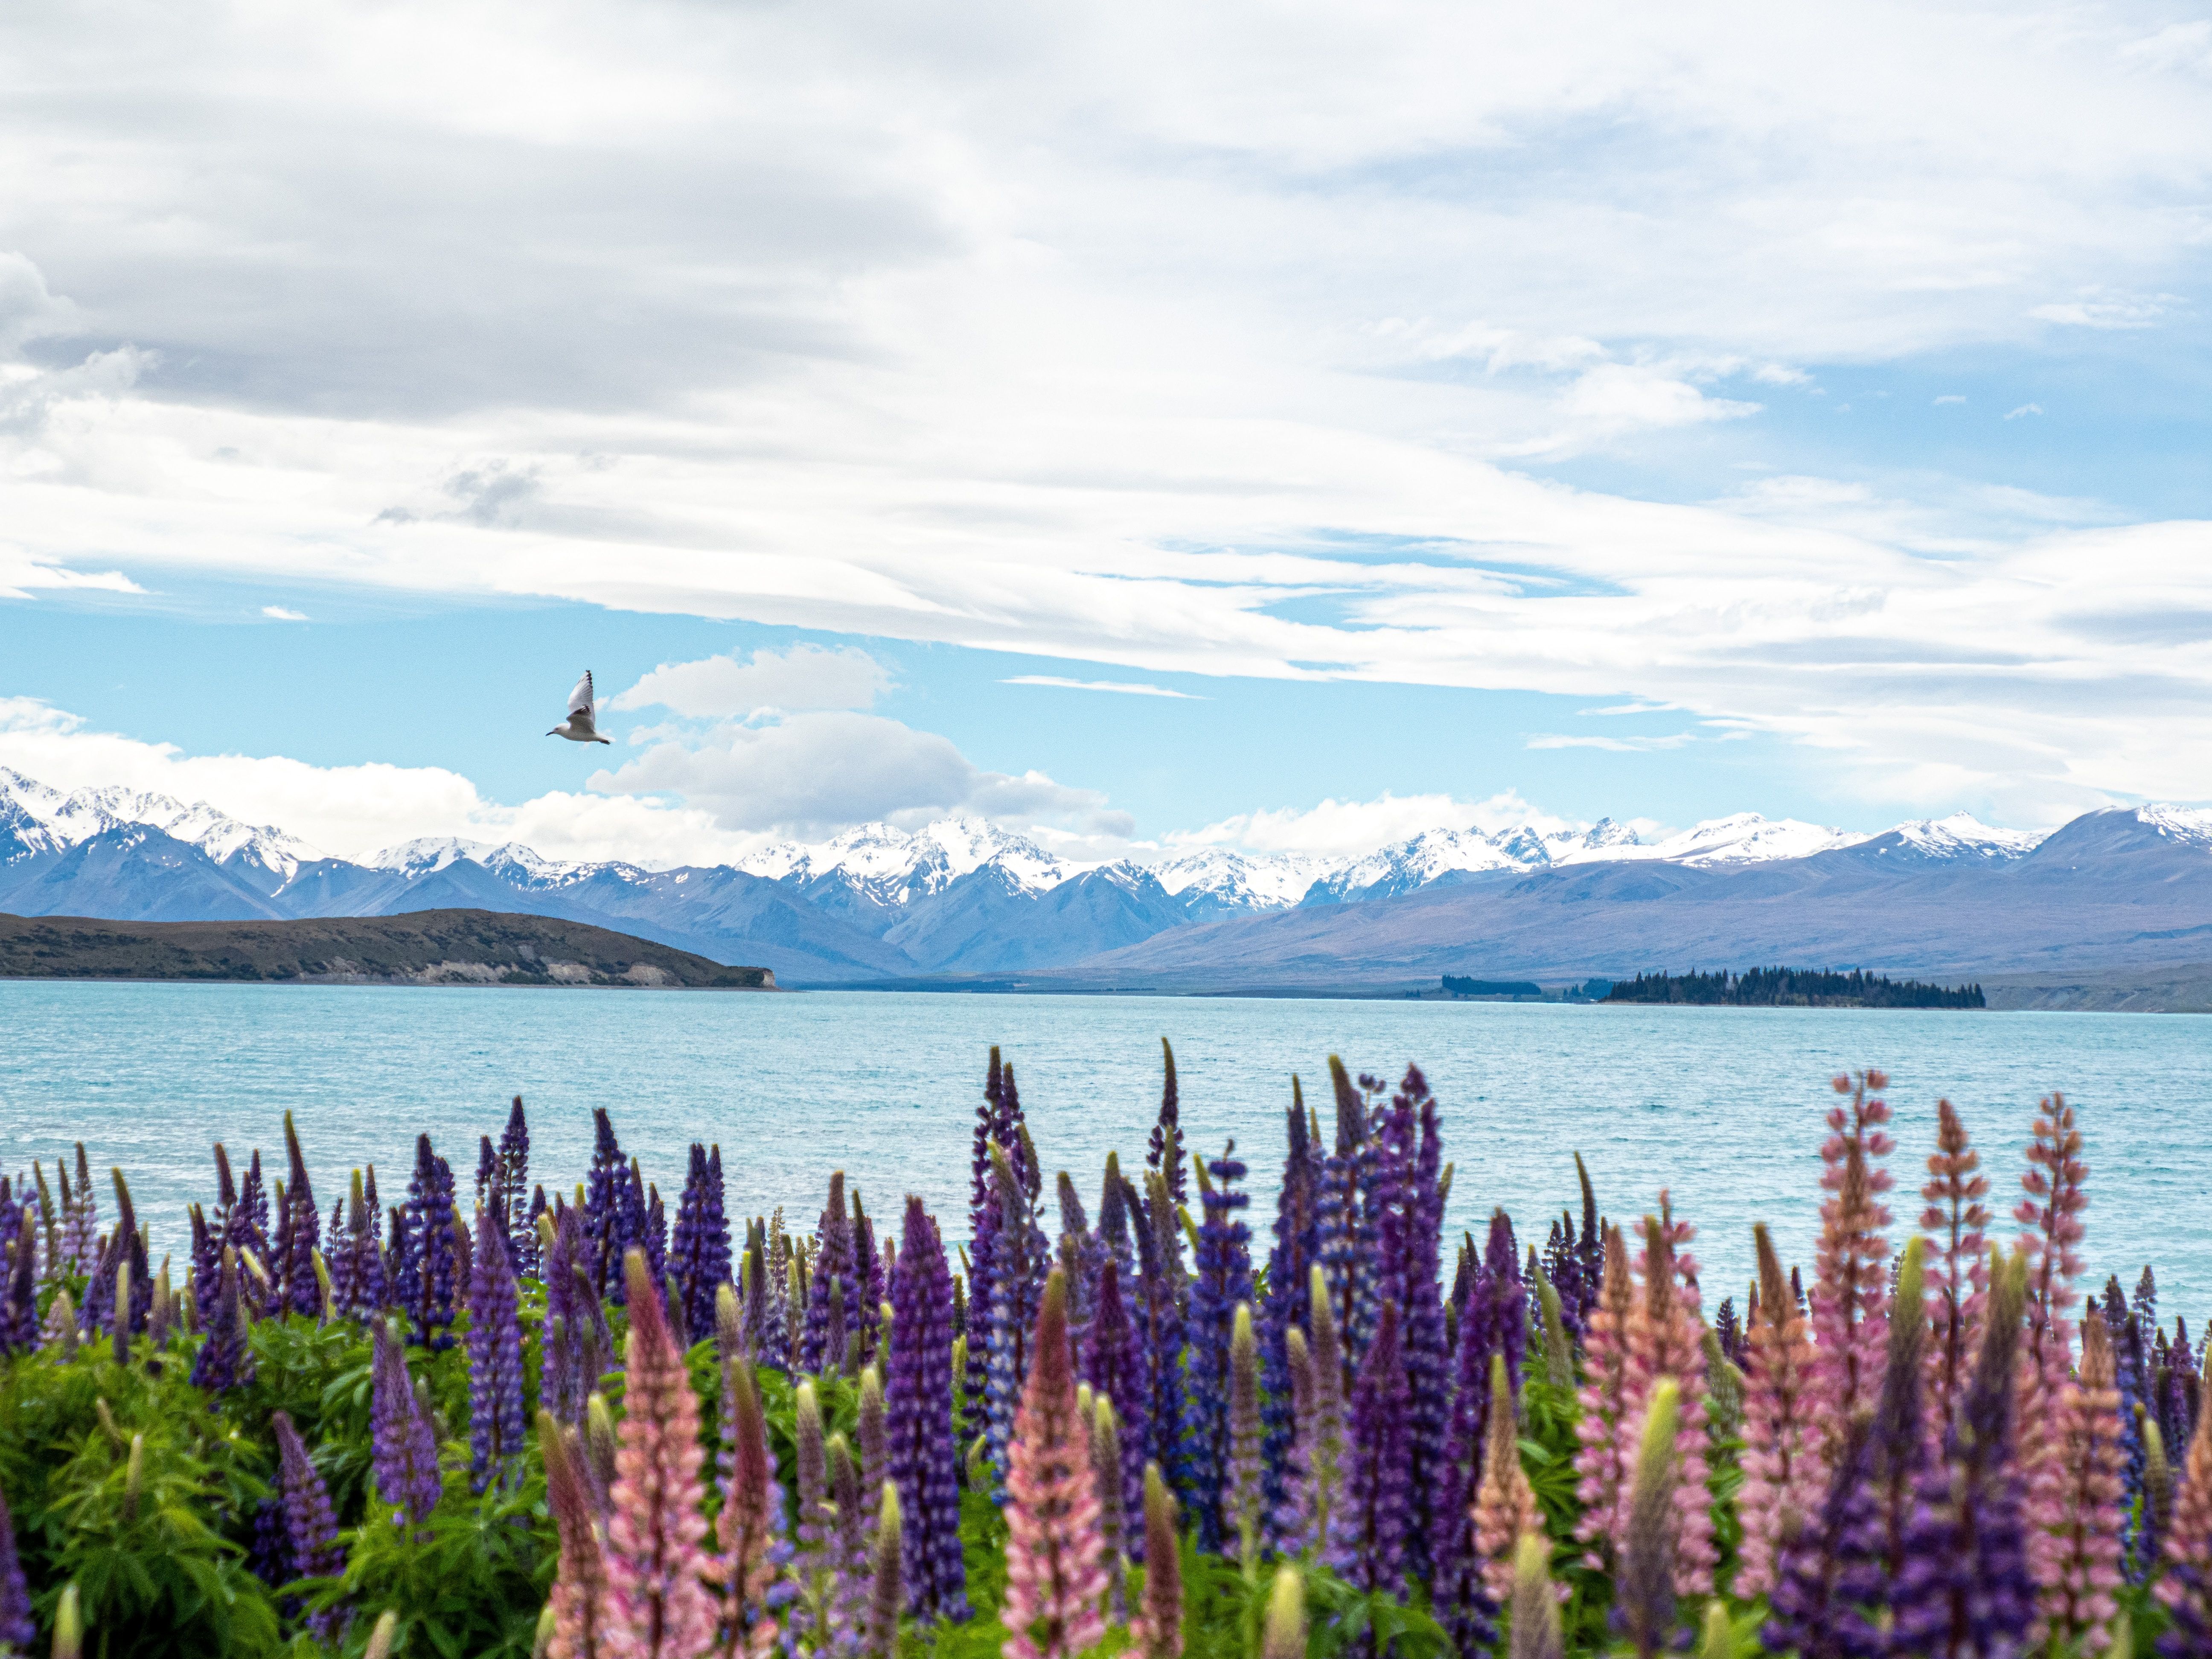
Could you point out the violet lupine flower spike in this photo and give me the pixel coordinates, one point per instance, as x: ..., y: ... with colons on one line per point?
x: 18, y: 1297
x: 296, y: 1274
x: 1296, y: 1249
x: 1781, y: 1454
x: 701, y: 1243
x: 1165, y: 1151
x: 1955, y: 1218
x: 582, y: 1616
x: 408, y: 1479
x: 1114, y: 1366
x: 1055, y: 1578
x: 310, y: 1522
x: 429, y: 1264
x: 1850, y: 1288
x: 605, y: 1188
x: 224, y: 1361
x: 1221, y: 1282
x: 923, y: 1456
x: 1346, y: 1233
x: 992, y: 1128
x: 494, y: 1341
x: 17, y: 1631
x: 1019, y: 1267
x: 656, y: 1527
x: 1159, y: 1283
x: 1368, y: 1530
x: 514, y: 1174
x: 1964, y: 1589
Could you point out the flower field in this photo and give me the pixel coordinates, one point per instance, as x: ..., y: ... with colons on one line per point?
x: 1100, y: 1414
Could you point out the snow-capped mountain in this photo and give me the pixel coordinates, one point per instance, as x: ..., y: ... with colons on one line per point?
x: 1214, y: 882
x: 44, y: 819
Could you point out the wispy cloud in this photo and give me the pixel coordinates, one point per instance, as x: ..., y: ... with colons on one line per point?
x: 1949, y: 398
x: 279, y: 613
x: 1130, y: 687
x: 2025, y: 409
x: 1617, y: 745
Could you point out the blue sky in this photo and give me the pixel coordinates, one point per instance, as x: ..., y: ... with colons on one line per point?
x: 1413, y: 391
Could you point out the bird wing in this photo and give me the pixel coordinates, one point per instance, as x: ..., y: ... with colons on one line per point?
x: 579, y: 700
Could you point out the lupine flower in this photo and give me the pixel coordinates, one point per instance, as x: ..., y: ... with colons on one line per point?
x: 427, y: 1266
x: 1781, y: 1458
x: 1965, y: 1589
x: 294, y: 1272
x: 1344, y: 1229
x: 656, y: 1527
x: 2185, y: 1590
x: 1285, y: 1636
x: 1081, y: 1254
x: 1955, y: 1218
x: 1296, y: 1249
x: 2050, y: 1215
x: 18, y: 1294
x: 923, y: 1458
x: 2074, y: 1551
x: 1900, y: 1449
x: 1464, y: 1603
x: 609, y: 1229
x: 1116, y: 1198
x: 1160, y: 1329
x: 309, y: 1522
x: 80, y: 1216
x: 1158, y: 1630
x: 1107, y: 1474
x: 652, y: 1235
x: 1019, y: 1268
x: 1367, y: 1543
x: 1244, y: 1497
x: 406, y: 1445
x: 749, y: 1530
x: 367, y: 1287
x: 1851, y: 1283
x: 17, y: 1631
x: 1665, y: 1340
x: 1164, y: 1150
x: 1054, y: 1576
x: 582, y: 1616
x: 1505, y: 1504
x: 1221, y: 1281
x: 701, y: 1243
x: 1606, y: 1419
x: 1114, y: 1366
x: 835, y: 1286
x: 495, y: 1414
x: 1422, y: 1325
x: 1823, y: 1578
x: 514, y: 1177
x: 1320, y: 1423
x: 851, y: 1517
x: 1535, y: 1604
x: 224, y: 1360
x: 994, y: 1127
x: 1644, y: 1586
x: 886, y: 1595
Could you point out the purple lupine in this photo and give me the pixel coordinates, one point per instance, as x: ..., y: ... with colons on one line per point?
x: 1499, y: 1302
x: 428, y: 1265
x: 357, y: 1273
x: 1113, y: 1365
x: 1116, y: 1198
x: 868, y: 1276
x: 17, y: 1631
x: 19, y: 1295
x: 80, y: 1237
x: 833, y: 1299
x: 1575, y: 1263
x: 1367, y: 1541
x: 1964, y: 1589
x: 992, y: 1128
x: 124, y: 1245
x: 604, y: 1190
x: 295, y: 1272
x: 1221, y: 1279
x: 559, y: 1391
x: 268, y: 1546
x: 1160, y: 1285
x: 1825, y: 1578
x: 207, y: 1256
x: 1165, y: 1151
x: 1022, y: 1258
x: 1345, y: 1229
x: 249, y: 1217
x: 311, y: 1526
x: 514, y: 1177
x: 651, y: 1226
x: 528, y: 1241
x: 406, y: 1443
x: 224, y: 1360
x: 1494, y: 1323
x: 1080, y: 1254
x: 700, y: 1252
x: 1413, y: 1277
x: 924, y: 1460
x: 496, y: 1412
x: 1290, y: 1265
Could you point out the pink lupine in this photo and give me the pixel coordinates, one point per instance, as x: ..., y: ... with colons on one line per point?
x: 1781, y: 1452
x: 1959, y: 1271
x: 1504, y: 1504
x: 1850, y: 1289
x: 659, y: 1607
x: 2051, y: 1216
x: 579, y: 1600
x: 1056, y: 1574
x: 2074, y: 1551
x: 1607, y: 1418
x: 1666, y: 1341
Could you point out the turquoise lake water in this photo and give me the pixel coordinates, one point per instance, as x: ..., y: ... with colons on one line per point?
x: 1721, y: 1105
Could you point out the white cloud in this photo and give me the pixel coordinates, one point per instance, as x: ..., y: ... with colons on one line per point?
x: 1340, y: 827
x: 1616, y: 745
x: 19, y: 576
x: 2025, y: 409
x: 1129, y: 687
x: 814, y: 774
x: 279, y: 613
x: 805, y: 676
x: 1949, y: 398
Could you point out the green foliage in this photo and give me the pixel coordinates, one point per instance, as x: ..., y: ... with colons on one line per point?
x: 468, y: 1584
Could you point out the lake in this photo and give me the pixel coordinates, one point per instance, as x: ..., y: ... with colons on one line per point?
x: 1723, y: 1106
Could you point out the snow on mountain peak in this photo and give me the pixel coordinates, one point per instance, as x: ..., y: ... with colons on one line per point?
x: 79, y: 816
x: 1963, y: 835
x: 1742, y: 838
x: 427, y: 853
x: 2191, y: 825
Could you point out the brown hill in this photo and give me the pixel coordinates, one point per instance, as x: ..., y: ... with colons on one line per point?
x: 422, y: 947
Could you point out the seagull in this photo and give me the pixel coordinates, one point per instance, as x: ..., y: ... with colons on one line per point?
x: 578, y: 727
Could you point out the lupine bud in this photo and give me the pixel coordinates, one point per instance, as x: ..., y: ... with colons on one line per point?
x: 68, y: 1626
x: 1645, y: 1585
x: 1286, y: 1636
x: 1159, y: 1631
x: 380, y: 1638
x: 885, y: 1596
x: 1535, y: 1615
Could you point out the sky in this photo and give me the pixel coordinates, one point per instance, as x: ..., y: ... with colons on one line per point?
x: 1269, y: 425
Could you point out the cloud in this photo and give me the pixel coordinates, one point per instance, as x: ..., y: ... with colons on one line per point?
x: 1949, y: 398
x: 2025, y: 409
x: 805, y: 676
x: 1128, y: 686
x: 2123, y: 311
x: 814, y: 774
x: 1335, y: 828
x: 278, y: 613
x: 1616, y: 745
x: 19, y: 576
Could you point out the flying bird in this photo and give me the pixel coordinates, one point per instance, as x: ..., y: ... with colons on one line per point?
x: 579, y: 727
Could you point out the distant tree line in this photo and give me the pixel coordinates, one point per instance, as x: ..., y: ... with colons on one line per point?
x: 1794, y: 987
x: 1458, y: 986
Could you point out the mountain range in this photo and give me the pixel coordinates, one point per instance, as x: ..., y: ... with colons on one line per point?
x: 962, y: 897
